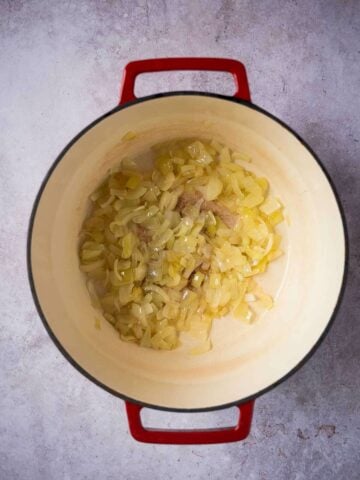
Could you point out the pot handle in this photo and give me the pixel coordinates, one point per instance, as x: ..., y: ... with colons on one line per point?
x: 187, y: 437
x: 133, y: 69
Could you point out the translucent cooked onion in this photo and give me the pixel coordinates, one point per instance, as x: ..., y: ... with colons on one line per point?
x: 168, y: 251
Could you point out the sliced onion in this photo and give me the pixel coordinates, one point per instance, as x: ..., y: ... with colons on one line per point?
x: 162, y: 253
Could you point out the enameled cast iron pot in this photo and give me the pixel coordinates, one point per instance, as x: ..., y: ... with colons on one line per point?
x: 246, y: 361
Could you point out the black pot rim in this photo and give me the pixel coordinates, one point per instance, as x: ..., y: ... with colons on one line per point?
x: 98, y: 382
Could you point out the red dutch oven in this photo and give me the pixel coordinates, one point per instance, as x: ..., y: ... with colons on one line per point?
x: 246, y: 360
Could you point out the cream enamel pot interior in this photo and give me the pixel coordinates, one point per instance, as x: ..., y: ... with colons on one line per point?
x: 306, y: 282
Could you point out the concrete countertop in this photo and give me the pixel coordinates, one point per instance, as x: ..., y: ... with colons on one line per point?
x: 60, y: 67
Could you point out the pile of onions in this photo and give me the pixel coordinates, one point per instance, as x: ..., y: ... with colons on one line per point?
x: 167, y: 251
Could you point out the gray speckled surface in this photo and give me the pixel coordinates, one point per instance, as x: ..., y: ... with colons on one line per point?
x: 60, y: 65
